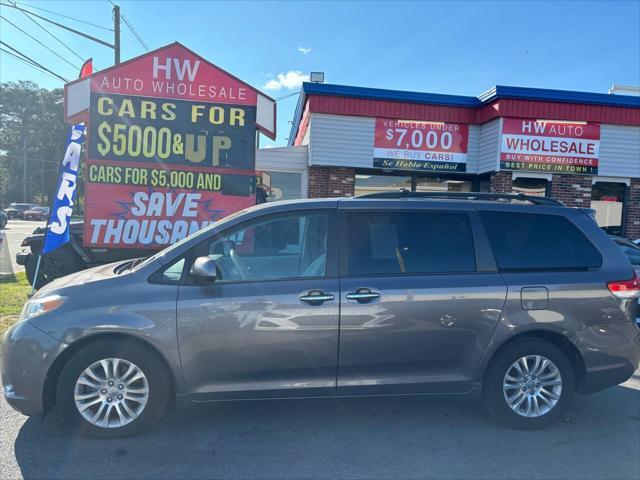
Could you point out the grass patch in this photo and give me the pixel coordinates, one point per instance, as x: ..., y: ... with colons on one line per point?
x: 14, y: 292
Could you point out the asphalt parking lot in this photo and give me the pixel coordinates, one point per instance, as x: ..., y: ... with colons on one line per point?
x: 401, y: 437
x: 16, y: 230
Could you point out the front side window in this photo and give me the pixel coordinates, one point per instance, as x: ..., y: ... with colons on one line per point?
x: 280, y: 247
x: 410, y: 243
x: 525, y: 241
x: 171, y: 274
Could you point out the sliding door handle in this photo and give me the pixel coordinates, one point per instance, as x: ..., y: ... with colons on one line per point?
x: 316, y: 297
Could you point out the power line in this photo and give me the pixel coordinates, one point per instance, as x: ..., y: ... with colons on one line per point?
x: 64, y: 16
x: 133, y: 30
x: 26, y: 62
x: 29, y: 16
x: 69, y: 29
x: 33, y: 61
x: 287, y: 96
x: 135, y: 33
x: 39, y: 42
x: 20, y: 157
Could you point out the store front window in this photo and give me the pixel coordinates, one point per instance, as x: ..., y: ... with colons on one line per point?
x: 380, y: 183
x: 608, y: 199
x: 416, y: 183
x: 438, y: 185
x: 537, y: 187
x: 274, y: 186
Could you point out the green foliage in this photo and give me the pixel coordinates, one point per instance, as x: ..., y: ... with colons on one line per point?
x: 34, y: 114
x: 14, y: 292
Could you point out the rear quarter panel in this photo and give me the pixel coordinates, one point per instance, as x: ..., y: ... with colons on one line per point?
x: 578, y: 300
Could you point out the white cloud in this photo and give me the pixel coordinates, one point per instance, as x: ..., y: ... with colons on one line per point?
x: 290, y: 80
x: 305, y: 50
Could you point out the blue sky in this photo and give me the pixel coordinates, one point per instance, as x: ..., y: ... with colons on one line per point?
x: 443, y: 47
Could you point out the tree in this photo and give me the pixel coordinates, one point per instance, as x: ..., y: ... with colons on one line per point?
x: 31, y: 116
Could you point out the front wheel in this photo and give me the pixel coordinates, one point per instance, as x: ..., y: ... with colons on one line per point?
x: 530, y: 384
x: 113, y: 389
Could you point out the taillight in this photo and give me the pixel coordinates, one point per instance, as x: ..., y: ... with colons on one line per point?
x: 626, y: 288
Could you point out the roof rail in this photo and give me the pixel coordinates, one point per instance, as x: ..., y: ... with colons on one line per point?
x: 404, y: 193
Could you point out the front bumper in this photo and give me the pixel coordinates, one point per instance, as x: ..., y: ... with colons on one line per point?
x: 27, y: 356
x: 611, y: 354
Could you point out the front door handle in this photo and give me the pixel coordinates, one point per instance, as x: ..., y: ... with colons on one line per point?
x: 363, y: 295
x: 316, y: 297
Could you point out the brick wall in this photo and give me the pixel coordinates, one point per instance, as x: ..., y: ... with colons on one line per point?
x: 331, y: 182
x: 632, y: 221
x: 572, y: 190
x: 501, y: 182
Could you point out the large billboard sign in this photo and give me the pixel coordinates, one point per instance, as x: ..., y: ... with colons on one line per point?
x: 420, y: 145
x: 550, y: 146
x: 171, y: 147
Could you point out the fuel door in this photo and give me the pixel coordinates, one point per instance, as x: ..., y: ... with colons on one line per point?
x: 534, y: 298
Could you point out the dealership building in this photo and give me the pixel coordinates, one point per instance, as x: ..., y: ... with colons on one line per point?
x: 581, y: 148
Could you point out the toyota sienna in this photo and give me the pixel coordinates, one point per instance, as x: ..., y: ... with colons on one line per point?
x: 518, y: 301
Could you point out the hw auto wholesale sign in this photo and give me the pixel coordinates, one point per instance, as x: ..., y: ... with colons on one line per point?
x: 550, y: 147
x: 418, y: 145
x: 171, y: 148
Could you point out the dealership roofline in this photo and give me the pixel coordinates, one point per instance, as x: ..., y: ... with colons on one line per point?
x: 496, y: 93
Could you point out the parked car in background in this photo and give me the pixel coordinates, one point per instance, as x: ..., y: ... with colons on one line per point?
x: 519, y: 305
x: 36, y: 213
x: 69, y: 258
x: 16, y: 210
x: 3, y: 220
x: 632, y: 251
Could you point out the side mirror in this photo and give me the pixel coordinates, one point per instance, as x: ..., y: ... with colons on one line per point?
x: 204, y: 268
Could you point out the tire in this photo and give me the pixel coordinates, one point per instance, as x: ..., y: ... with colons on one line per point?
x: 156, y: 380
x: 559, y: 396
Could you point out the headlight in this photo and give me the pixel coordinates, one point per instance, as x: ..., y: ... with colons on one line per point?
x: 38, y: 306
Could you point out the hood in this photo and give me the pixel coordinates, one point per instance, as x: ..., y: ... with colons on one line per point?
x: 95, y: 274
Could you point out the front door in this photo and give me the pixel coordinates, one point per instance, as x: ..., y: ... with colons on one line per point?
x: 416, y: 314
x: 268, y: 325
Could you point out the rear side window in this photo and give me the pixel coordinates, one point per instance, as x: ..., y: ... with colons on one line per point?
x: 410, y: 243
x: 527, y: 241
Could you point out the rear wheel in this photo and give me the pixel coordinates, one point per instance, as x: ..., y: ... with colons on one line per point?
x: 113, y: 389
x: 530, y: 384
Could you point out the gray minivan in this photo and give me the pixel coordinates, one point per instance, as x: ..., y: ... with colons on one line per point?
x: 515, y: 300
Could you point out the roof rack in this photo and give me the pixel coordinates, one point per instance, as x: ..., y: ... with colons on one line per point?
x: 404, y: 193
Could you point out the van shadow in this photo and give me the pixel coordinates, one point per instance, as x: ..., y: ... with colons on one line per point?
x: 397, y: 437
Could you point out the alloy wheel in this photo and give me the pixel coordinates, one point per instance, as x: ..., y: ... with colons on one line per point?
x: 111, y: 393
x: 532, y: 386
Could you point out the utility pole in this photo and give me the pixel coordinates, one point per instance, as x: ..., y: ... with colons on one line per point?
x: 116, y: 33
x: 24, y: 169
